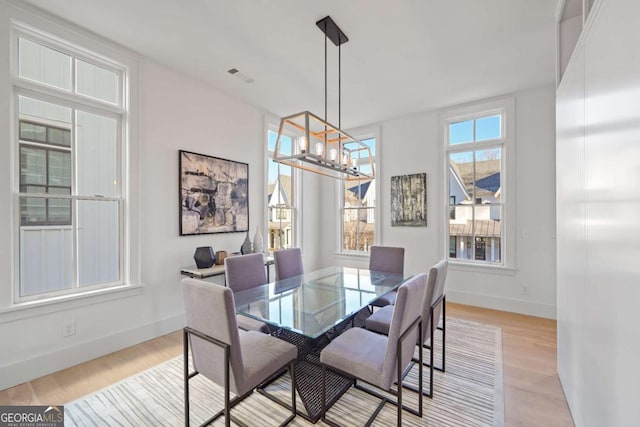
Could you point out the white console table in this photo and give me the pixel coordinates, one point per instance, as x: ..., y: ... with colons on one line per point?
x: 218, y: 270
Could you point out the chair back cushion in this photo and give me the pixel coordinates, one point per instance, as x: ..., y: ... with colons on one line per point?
x: 210, y: 309
x: 288, y: 263
x: 245, y: 271
x: 442, y: 268
x: 386, y: 258
x: 407, y: 309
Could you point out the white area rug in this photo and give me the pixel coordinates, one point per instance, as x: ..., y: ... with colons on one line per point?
x: 469, y: 393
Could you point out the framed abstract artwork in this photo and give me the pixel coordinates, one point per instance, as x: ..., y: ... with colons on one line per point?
x: 409, y: 200
x: 214, y: 194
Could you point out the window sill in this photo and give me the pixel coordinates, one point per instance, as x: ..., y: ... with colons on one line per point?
x: 51, y: 305
x: 482, y: 268
x: 351, y: 255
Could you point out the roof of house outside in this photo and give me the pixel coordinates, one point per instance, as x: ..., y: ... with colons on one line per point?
x: 484, y: 228
x: 487, y: 176
x: 285, y: 183
x: 360, y: 189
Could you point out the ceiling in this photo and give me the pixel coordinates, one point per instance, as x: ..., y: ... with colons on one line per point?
x: 402, y: 57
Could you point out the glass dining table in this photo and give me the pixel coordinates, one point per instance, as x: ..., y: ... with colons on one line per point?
x: 308, y: 311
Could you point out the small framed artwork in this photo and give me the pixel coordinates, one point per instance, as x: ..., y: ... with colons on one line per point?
x: 409, y: 200
x: 214, y: 194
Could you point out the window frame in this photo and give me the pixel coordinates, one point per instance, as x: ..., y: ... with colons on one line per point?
x: 100, y: 53
x: 26, y: 144
x: 505, y: 107
x: 296, y: 192
x: 360, y: 134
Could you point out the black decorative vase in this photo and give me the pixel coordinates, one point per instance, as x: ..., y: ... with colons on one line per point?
x: 204, y: 257
x: 246, y: 247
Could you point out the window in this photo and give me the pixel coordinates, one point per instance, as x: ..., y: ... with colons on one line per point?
x: 358, y: 206
x: 281, y: 203
x: 476, y: 143
x: 70, y: 133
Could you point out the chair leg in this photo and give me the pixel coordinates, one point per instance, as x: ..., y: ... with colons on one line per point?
x: 431, y: 357
x: 227, y: 406
x: 444, y: 328
x: 292, y: 372
x: 444, y: 340
x: 399, y: 363
x: 421, y: 369
x: 185, y: 343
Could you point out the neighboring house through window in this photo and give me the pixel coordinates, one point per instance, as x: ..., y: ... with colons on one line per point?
x: 70, y: 120
x: 358, y: 208
x: 476, y: 143
x: 281, y: 206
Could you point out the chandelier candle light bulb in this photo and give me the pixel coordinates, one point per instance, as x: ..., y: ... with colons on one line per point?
x: 333, y: 154
x: 319, y: 148
x: 302, y: 144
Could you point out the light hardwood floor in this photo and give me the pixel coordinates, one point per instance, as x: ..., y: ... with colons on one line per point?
x: 533, y: 396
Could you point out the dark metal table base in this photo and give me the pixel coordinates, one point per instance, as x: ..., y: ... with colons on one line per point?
x: 309, y: 371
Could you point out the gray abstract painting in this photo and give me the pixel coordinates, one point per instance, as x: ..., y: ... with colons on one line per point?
x: 409, y: 200
x: 214, y: 195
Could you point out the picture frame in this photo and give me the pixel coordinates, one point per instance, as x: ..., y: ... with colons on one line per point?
x: 213, y: 194
x: 409, y: 200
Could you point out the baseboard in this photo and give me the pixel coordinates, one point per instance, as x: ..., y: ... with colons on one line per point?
x: 571, y: 403
x: 47, y: 363
x: 505, y: 304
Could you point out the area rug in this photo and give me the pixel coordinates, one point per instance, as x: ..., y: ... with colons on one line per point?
x: 469, y: 393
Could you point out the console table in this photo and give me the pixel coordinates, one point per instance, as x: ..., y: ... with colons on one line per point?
x: 218, y: 270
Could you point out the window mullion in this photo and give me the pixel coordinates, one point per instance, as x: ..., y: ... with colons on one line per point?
x: 473, y: 209
x: 480, y: 145
x: 64, y: 98
x: 75, y: 203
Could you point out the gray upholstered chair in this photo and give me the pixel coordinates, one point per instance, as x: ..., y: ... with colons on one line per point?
x: 380, y: 321
x: 391, y: 260
x: 288, y: 263
x: 242, y: 273
x: 439, y: 304
x: 381, y: 360
x: 237, y: 360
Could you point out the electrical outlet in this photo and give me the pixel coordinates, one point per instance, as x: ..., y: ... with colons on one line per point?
x: 525, y: 289
x: 69, y: 328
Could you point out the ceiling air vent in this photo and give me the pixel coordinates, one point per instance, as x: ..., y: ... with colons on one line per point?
x: 236, y: 73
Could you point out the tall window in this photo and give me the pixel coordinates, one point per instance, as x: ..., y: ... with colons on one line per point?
x: 358, y: 210
x: 281, y: 203
x: 70, y: 115
x: 475, y: 147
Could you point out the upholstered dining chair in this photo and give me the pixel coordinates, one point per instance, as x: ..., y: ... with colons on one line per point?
x: 439, y: 304
x: 380, y: 321
x: 237, y: 360
x: 245, y: 272
x: 288, y: 263
x: 391, y: 260
x: 381, y: 360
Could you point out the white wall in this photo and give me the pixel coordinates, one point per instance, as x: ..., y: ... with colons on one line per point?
x: 598, y: 157
x: 412, y: 144
x: 176, y: 112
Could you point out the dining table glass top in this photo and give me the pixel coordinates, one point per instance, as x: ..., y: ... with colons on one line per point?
x: 315, y: 302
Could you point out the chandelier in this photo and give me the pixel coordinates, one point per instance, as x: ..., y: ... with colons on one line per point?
x: 306, y: 141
